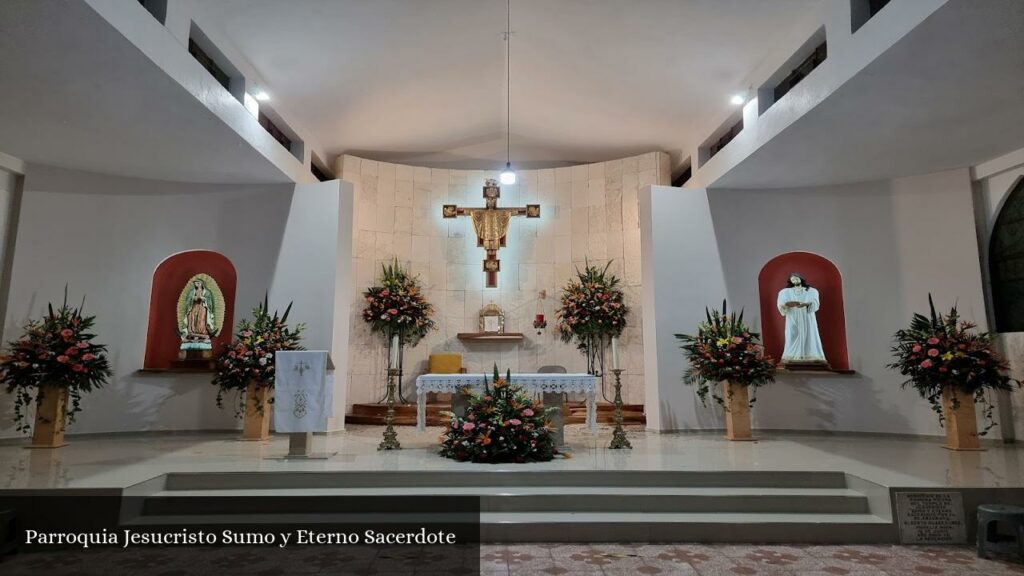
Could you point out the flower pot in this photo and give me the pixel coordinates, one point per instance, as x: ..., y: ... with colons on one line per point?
x: 256, y: 425
x: 737, y: 412
x: 960, y: 421
x: 51, y: 403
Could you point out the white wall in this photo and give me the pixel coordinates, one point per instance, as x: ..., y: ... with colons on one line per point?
x: 10, y: 198
x: 993, y: 182
x: 589, y: 212
x: 894, y: 242
x: 104, y: 236
x: 682, y: 273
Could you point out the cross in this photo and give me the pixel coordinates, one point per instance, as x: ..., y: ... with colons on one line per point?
x: 491, y: 224
x: 301, y: 368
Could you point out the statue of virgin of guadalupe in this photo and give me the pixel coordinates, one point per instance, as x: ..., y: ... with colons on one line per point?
x: 199, y: 318
x: 799, y: 302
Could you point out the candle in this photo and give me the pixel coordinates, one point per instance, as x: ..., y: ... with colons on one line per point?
x: 393, y: 361
x: 539, y: 318
x: 615, y: 352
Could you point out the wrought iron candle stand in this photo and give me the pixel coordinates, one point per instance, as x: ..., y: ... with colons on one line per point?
x: 619, y: 440
x: 390, y: 436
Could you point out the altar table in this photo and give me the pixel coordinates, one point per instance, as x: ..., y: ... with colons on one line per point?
x: 535, y: 383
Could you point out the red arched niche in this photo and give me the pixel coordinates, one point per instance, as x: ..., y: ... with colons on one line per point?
x: 162, y: 340
x: 820, y: 273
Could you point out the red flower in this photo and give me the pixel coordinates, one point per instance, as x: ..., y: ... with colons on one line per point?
x: 393, y: 312
x: 67, y: 333
x: 933, y: 341
x: 933, y: 352
x: 926, y: 364
x: 78, y: 368
x: 62, y: 359
x: 916, y: 348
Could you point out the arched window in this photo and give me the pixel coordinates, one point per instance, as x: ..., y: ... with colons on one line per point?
x: 820, y: 273
x: 172, y: 276
x: 1006, y: 263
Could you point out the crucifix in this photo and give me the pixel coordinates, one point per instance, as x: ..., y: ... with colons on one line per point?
x: 491, y: 225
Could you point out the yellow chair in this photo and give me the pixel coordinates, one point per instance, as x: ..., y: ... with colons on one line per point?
x: 445, y: 363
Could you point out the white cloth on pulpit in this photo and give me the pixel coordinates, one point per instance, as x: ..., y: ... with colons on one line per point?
x: 303, y: 391
x: 803, y: 343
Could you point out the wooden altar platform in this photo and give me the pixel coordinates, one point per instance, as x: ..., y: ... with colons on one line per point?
x: 405, y: 414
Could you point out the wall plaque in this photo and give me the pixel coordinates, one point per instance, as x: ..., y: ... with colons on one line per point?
x: 931, y: 517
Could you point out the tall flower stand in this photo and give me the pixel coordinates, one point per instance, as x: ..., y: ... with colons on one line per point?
x: 737, y: 411
x: 51, y: 406
x: 256, y: 425
x: 390, y: 441
x: 619, y: 440
x: 960, y: 420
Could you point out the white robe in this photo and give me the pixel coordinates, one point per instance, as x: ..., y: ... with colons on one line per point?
x: 803, y: 343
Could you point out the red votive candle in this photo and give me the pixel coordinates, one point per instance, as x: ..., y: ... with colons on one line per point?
x: 540, y: 318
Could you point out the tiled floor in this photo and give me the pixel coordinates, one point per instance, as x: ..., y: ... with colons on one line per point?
x: 119, y: 461
x: 525, y: 559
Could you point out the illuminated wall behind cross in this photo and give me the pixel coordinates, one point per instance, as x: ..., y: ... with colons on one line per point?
x: 589, y: 212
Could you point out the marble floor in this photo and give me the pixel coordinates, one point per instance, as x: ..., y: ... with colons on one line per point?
x: 117, y: 461
x: 523, y: 560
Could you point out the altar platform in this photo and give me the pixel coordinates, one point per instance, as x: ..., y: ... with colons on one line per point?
x: 786, y: 487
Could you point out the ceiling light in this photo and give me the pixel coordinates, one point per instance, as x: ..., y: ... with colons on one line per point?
x: 261, y: 95
x: 738, y: 100
x: 508, y: 176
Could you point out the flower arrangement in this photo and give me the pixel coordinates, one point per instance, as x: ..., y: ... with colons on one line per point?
x: 502, y: 424
x: 397, y: 306
x: 250, y: 358
x: 725, y: 349
x: 592, y: 310
x: 56, y: 351
x: 939, y: 350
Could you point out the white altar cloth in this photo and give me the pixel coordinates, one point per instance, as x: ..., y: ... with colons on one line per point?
x: 536, y: 383
x: 303, y: 391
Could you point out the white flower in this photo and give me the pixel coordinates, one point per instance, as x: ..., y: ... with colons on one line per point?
x: 263, y: 361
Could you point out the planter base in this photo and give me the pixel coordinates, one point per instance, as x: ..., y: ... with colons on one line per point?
x: 48, y: 431
x: 256, y: 425
x: 960, y: 421
x: 737, y: 413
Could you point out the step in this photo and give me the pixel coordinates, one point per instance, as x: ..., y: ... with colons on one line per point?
x: 529, y: 499
x: 591, y: 526
x: 502, y: 478
x: 687, y: 527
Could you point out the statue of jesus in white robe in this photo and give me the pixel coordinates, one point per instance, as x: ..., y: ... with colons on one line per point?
x: 799, y: 302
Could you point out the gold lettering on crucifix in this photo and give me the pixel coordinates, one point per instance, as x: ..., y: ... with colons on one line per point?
x: 491, y: 225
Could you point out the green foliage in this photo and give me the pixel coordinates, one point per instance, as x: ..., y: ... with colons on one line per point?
x: 250, y: 358
x: 397, y: 306
x: 58, y: 351
x: 502, y: 424
x: 725, y: 348
x: 938, y: 350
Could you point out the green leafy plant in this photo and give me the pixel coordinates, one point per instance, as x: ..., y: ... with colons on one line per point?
x: 250, y: 357
x: 56, y: 351
x: 725, y: 348
x: 941, y: 350
x: 502, y: 424
x: 592, y: 310
x: 397, y: 305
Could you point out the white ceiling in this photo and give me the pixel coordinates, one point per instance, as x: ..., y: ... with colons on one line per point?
x: 950, y: 94
x: 74, y: 93
x: 423, y: 81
